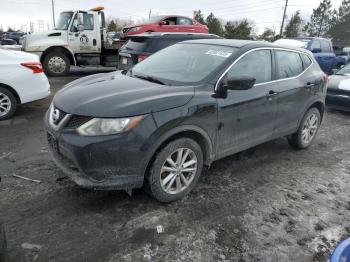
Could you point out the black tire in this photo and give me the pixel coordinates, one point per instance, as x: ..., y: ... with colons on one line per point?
x: 3, y: 244
x: 296, y: 139
x: 52, y: 72
x: 13, y: 103
x: 153, y: 178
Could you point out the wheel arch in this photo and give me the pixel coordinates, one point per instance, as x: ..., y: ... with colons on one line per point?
x: 68, y: 53
x: 319, y: 105
x: 13, y: 91
x: 193, y: 132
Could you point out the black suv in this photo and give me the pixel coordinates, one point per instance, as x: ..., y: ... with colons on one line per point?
x: 141, y: 46
x: 182, y: 108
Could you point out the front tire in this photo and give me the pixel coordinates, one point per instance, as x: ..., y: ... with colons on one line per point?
x: 56, y: 64
x: 175, y: 170
x: 8, y: 104
x: 307, y: 131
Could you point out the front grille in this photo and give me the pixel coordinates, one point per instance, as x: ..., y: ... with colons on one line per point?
x: 76, y: 121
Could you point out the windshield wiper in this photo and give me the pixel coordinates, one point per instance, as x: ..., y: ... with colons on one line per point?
x: 150, y: 79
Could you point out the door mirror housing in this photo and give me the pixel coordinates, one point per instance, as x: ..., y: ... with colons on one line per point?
x: 239, y: 83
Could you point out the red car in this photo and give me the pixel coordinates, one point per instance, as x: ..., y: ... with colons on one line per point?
x: 166, y: 24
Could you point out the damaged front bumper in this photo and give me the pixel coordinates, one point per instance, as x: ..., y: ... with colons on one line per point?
x: 115, y: 162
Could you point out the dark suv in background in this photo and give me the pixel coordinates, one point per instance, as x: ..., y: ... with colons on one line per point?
x: 141, y: 46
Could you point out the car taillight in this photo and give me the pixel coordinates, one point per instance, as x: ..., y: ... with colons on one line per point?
x: 36, y: 67
x: 141, y: 58
x: 325, y: 77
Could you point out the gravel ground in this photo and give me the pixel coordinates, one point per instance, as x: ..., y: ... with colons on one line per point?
x: 270, y: 203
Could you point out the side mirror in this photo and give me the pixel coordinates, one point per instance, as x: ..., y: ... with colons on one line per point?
x: 239, y: 83
x: 80, y: 22
x: 80, y: 28
x: 316, y: 50
x: 334, y: 71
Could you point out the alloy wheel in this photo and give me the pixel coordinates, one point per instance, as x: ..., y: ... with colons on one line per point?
x: 5, y: 104
x: 178, y: 171
x: 309, y: 129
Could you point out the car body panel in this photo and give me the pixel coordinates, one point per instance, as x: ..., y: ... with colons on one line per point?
x: 121, y: 96
x: 28, y: 86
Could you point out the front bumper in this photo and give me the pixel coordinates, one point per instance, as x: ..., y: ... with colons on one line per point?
x: 339, y: 101
x: 105, y: 162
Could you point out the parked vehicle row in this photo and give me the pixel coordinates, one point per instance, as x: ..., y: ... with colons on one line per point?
x: 158, y: 124
x: 22, y: 80
x: 80, y: 39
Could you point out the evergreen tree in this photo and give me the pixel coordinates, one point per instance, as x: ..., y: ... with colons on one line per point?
x: 344, y: 11
x: 294, y: 26
x: 238, y: 29
x: 214, y: 25
x: 199, y: 17
x: 268, y: 35
x: 322, y: 19
x: 112, y: 27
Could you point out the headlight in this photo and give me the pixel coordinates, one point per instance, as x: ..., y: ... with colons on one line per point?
x: 134, y: 29
x: 108, y: 126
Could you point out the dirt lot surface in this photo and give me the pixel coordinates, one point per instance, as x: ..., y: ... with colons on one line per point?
x: 271, y: 203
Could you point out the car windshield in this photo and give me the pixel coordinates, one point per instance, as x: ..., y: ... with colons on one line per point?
x: 63, y: 20
x: 184, y: 63
x: 302, y: 43
x: 344, y: 71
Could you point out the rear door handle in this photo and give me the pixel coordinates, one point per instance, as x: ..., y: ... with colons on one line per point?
x: 309, y: 84
x: 271, y: 94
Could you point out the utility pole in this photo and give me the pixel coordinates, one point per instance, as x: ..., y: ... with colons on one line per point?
x: 53, y: 12
x: 150, y: 14
x: 284, y: 16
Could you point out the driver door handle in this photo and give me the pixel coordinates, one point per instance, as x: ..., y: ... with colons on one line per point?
x: 309, y: 85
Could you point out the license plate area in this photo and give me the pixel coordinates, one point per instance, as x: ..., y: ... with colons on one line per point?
x: 52, y: 141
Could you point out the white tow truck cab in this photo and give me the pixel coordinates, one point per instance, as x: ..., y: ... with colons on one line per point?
x: 79, y: 39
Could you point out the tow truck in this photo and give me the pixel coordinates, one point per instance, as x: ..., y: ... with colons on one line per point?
x: 79, y: 39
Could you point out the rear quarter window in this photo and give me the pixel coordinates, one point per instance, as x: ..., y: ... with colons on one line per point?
x: 138, y: 44
x: 289, y: 64
x: 306, y: 60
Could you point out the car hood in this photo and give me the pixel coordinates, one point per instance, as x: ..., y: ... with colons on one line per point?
x: 117, y: 95
x: 338, y: 80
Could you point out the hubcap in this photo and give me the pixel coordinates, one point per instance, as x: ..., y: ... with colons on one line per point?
x: 178, y: 171
x: 5, y: 104
x: 57, y: 64
x: 309, y: 129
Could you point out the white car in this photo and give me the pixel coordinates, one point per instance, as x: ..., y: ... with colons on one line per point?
x: 22, y: 80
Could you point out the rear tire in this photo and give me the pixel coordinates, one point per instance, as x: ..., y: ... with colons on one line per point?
x: 175, y: 170
x: 8, y: 103
x: 307, y: 131
x: 56, y: 64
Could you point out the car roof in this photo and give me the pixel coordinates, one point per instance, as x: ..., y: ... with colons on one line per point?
x: 243, y: 43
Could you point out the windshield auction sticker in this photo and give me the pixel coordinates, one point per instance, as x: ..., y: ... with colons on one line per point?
x: 218, y: 53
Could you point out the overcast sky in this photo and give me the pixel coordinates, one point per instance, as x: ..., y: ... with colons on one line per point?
x: 264, y: 13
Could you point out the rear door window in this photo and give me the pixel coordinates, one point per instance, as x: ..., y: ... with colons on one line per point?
x: 257, y: 64
x: 184, y: 21
x: 137, y: 44
x: 289, y: 64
